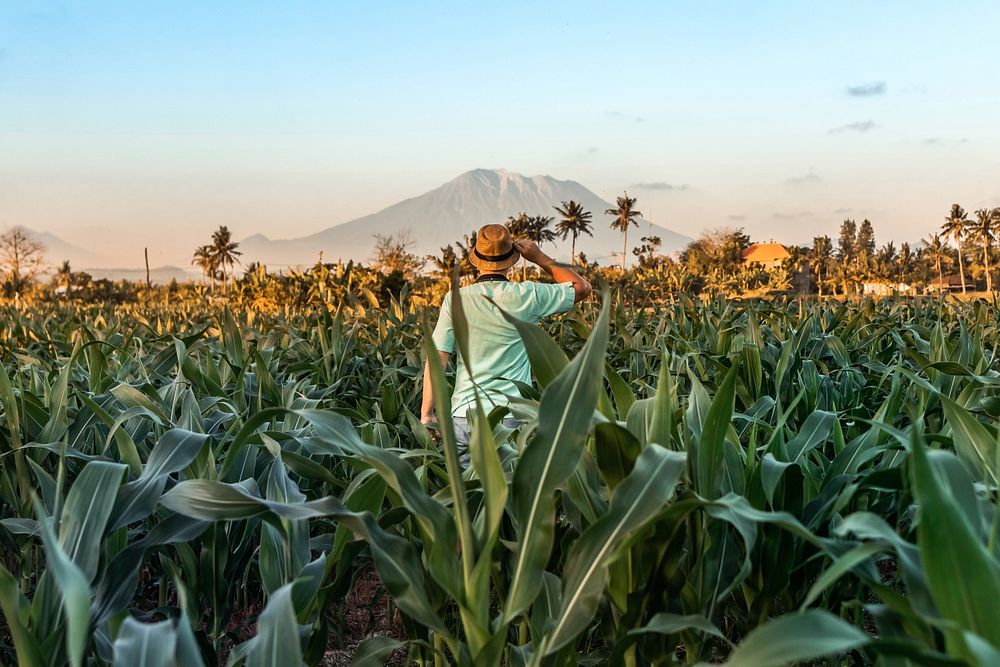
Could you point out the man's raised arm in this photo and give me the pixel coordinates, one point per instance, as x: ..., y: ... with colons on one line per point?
x: 560, y: 273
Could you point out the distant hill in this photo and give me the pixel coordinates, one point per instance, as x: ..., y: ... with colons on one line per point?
x: 57, y: 251
x: 444, y: 215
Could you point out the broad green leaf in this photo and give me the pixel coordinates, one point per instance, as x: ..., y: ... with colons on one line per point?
x: 173, y: 452
x: 116, y: 588
x: 639, y: 498
x: 9, y: 403
x: 964, y: 579
x: 616, y: 450
x: 214, y: 501
x: 709, y: 450
x: 86, y: 512
x: 486, y: 463
x: 565, y: 414
x: 973, y: 441
x: 453, y: 468
x: 793, y: 638
x: 145, y: 644
x: 666, y: 623
x: 814, y: 431
x: 547, y: 359
x: 433, y: 517
x: 460, y: 325
x: 15, y: 610
x: 652, y: 419
x: 58, y: 406
x: 842, y: 565
x: 73, y: 589
x: 374, y: 652
x: 395, y: 558
x: 622, y: 394
x: 277, y: 642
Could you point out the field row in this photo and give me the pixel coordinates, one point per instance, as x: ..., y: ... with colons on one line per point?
x: 748, y: 482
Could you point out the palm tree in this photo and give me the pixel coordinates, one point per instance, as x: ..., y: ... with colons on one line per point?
x: 624, y: 216
x: 984, y: 227
x: 465, y: 248
x: 936, y: 252
x: 520, y: 227
x: 539, y: 232
x: 538, y: 229
x: 65, y: 275
x: 845, y: 275
x: 224, y: 250
x: 955, y: 225
x: 573, y: 222
x: 445, y: 263
x: 819, y: 257
x: 904, y: 263
x: 204, y: 260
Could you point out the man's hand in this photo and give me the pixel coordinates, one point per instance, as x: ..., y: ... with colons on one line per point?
x: 560, y: 273
x: 531, y: 252
x: 431, y: 422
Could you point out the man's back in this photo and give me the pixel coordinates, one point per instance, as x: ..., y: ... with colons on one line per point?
x: 498, y: 358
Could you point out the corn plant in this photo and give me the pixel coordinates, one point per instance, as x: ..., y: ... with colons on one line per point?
x: 743, y: 482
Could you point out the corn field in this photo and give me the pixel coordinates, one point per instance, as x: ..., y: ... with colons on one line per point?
x: 740, y: 483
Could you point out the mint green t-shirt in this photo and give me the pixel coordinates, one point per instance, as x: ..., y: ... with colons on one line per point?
x: 498, y: 355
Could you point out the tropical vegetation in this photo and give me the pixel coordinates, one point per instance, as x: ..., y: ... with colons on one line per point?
x: 755, y: 482
x: 700, y: 475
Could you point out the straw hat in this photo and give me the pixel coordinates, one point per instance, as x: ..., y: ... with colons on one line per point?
x: 494, y: 249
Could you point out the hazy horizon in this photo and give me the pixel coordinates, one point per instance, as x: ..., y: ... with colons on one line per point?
x: 124, y: 126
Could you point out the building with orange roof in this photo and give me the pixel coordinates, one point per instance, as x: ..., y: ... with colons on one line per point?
x: 767, y: 255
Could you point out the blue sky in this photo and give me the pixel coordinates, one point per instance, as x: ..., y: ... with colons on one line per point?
x: 149, y: 123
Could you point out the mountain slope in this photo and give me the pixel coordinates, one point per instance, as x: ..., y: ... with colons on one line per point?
x: 57, y: 250
x: 444, y: 215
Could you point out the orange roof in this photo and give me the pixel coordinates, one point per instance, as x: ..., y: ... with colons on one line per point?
x: 765, y: 252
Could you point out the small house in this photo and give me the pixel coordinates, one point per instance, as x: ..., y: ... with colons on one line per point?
x: 951, y: 283
x: 886, y: 288
x: 766, y: 255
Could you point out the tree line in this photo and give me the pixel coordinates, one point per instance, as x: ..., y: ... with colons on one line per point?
x: 960, y: 256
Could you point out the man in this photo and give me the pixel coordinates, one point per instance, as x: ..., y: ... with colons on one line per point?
x: 499, y: 359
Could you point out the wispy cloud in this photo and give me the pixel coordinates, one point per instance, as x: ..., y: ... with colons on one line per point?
x: 795, y: 215
x: 870, y: 89
x: 661, y: 186
x: 737, y: 218
x: 942, y: 141
x: 860, y: 126
x: 811, y: 178
x: 624, y: 116
x: 843, y: 211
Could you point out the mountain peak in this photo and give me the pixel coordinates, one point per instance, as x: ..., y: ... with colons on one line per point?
x: 447, y: 213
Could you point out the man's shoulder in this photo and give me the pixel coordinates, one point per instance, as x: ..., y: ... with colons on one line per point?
x: 537, y: 286
x: 525, y: 288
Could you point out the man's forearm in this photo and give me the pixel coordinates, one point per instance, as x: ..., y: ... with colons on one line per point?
x: 427, y: 402
x: 564, y: 274
x: 427, y: 395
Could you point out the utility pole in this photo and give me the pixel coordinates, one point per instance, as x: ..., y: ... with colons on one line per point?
x: 149, y: 284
